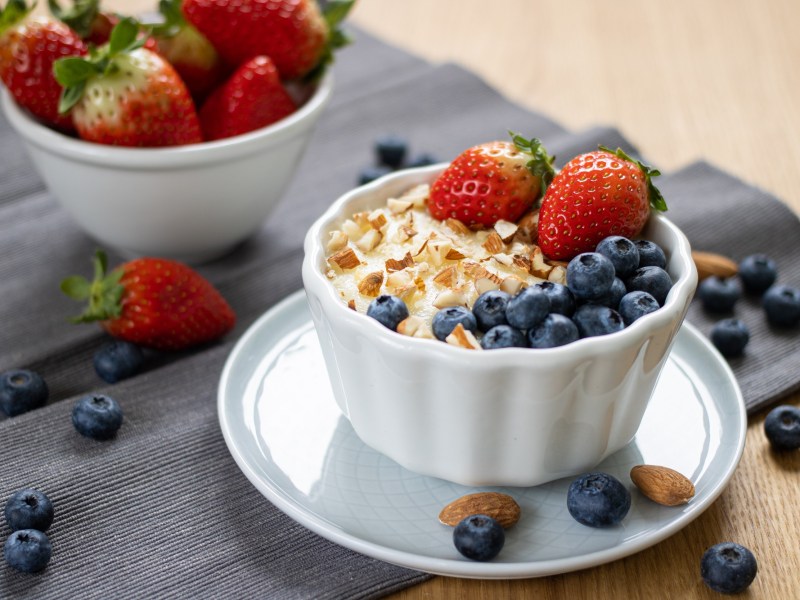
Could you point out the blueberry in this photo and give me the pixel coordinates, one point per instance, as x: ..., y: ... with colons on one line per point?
x: 490, y: 309
x: 446, y: 320
x: 561, y: 299
x: 653, y: 280
x: 369, y: 174
x: 593, y: 319
x: 21, y: 391
x: 782, y: 305
x: 612, y: 298
x: 598, y: 500
x: 423, y: 160
x: 718, y: 295
x: 590, y: 276
x: 782, y: 427
x: 636, y: 304
x: 29, y: 509
x: 118, y: 360
x: 728, y: 568
x: 28, y: 550
x: 391, y: 150
x: 388, y: 311
x: 757, y: 272
x: 479, y: 537
x: 621, y: 252
x: 650, y: 254
x: 528, y: 308
x: 555, y: 330
x: 503, y: 336
x: 97, y: 416
x: 730, y: 336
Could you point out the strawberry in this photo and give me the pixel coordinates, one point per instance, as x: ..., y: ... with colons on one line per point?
x: 152, y: 302
x: 252, y: 98
x: 188, y: 50
x: 126, y: 95
x: 596, y: 195
x: 293, y: 33
x: 28, y: 49
x: 492, y: 181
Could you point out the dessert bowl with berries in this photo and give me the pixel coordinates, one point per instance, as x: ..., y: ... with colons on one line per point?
x: 493, y: 322
x: 169, y: 139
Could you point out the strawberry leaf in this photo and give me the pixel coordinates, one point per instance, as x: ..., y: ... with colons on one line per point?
x: 104, y: 293
x: 173, y: 19
x: 79, y: 17
x: 541, y: 163
x: 14, y: 12
x: 334, y: 13
x: 654, y: 195
x: 124, y: 37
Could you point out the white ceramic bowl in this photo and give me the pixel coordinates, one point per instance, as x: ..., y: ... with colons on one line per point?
x: 190, y: 202
x: 516, y: 417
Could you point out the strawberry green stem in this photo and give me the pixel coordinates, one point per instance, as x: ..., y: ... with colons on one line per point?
x: 104, y: 292
x: 79, y: 16
x: 335, y: 12
x: 541, y: 163
x: 654, y: 195
x: 14, y: 12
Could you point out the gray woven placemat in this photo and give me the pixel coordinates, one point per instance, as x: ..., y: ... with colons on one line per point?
x: 163, y: 511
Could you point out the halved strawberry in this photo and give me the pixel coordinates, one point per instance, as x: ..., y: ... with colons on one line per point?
x: 492, y: 181
x: 152, y: 302
x: 28, y: 48
x: 252, y: 98
x: 126, y: 95
x: 596, y: 195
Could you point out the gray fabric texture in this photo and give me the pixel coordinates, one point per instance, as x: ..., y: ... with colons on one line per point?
x: 162, y: 510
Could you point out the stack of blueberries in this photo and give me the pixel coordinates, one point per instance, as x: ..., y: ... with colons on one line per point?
x: 391, y: 154
x: 757, y: 275
x: 607, y: 290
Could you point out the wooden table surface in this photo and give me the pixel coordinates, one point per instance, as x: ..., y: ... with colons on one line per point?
x: 718, y: 80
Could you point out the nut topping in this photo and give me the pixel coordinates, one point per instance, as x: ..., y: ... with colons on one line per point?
x: 501, y: 507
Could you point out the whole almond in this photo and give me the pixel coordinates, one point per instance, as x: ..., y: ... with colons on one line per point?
x: 709, y: 264
x: 501, y: 507
x: 662, y: 484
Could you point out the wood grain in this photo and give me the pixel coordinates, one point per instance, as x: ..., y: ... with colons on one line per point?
x: 684, y: 80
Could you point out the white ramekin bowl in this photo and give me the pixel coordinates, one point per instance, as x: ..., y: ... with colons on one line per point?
x: 517, y: 417
x: 190, y: 203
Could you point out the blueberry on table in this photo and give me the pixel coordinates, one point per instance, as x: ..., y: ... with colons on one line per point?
x: 598, y: 500
x: 20, y: 391
x: 651, y: 279
x: 555, y: 330
x: 118, y: 360
x: 717, y: 294
x: 728, y: 568
x: 730, y: 336
x: 27, y: 550
x: 388, y: 310
x: 29, y: 509
x: 622, y: 253
x: 447, y: 318
x: 391, y: 150
x: 590, y: 276
x: 97, y: 416
x: 490, y: 309
x: 782, y: 427
x: 757, y: 272
x: 369, y: 174
x: 593, y: 319
x: 782, y: 305
x: 561, y: 299
x: 528, y: 308
x: 634, y: 305
x: 479, y: 537
x: 650, y: 254
x: 503, y: 336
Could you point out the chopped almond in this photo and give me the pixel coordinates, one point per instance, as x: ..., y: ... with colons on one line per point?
x: 398, y: 207
x: 370, y: 240
x: 447, y: 277
x: 457, y: 226
x: 345, y: 259
x: 371, y: 284
x: 463, y: 338
x: 506, y: 230
x: 494, y: 243
x: 392, y: 264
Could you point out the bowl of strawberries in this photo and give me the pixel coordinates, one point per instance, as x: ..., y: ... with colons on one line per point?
x: 175, y: 138
x: 492, y: 322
